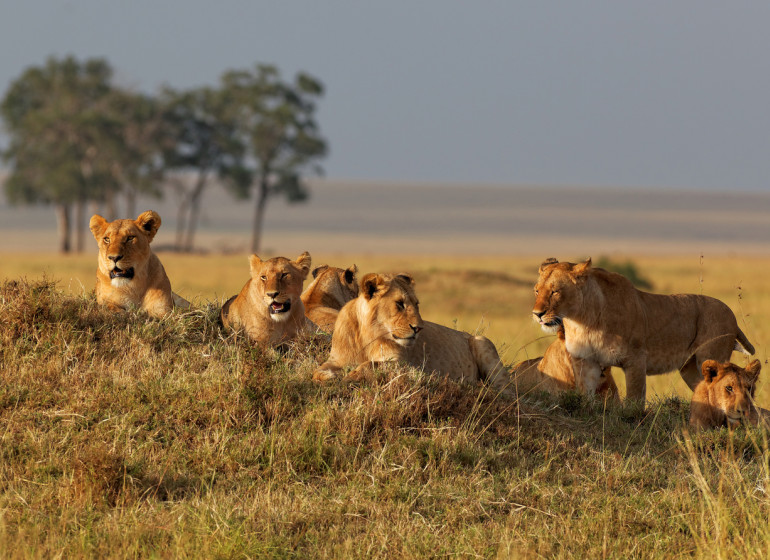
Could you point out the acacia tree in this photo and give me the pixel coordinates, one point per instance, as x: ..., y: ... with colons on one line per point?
x: 206, y: 143
x: 58, y: 127
x: 136, y: 159
x: 276, y: 120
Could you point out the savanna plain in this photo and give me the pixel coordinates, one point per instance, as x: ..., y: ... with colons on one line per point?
x: 126, y: 437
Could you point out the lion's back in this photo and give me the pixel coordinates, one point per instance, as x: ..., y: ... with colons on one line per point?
x: 445, y: 350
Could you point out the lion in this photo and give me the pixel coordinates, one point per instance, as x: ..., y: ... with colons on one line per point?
x: 554, y: 373
x: 331, y: 288
x: 269, y: 308
x: 608, y: 322
x: 725, y: 396
x: 129, y: 274
x: 383, y: 324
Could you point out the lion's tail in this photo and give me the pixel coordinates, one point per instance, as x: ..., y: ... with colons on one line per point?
x: 742, y: 344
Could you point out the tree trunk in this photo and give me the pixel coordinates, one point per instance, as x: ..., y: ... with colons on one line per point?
x: 181, y: 217
x: 110, y: 206
x: 194, y: 211
x: 80, y: 216
x: 259, y: 213
x: 63, y: 226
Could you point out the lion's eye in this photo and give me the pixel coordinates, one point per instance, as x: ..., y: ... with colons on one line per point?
x: 400, y: 305
x: 553, y: 293
x: 729, y: 388
x: 263, y: 278
x: 537, y: 292
x: 130, y: 238
x: 106, y: 240
x: 284, y: 275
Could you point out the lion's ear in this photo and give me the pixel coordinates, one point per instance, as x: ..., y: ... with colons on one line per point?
x: 303, y: 263
x: 546, y: 262
x: 97, y: 225
x: 581, y: 268
x: 318, y: 269
x: 149, y: 223
x: 753, y: 370
x: 406, y: 278
x: 371, y: 283
x: 255, y: 263
x: 350, y: 274
x: 710, y: 369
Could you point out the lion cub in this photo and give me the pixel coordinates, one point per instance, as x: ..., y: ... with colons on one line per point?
x: 129, y: 274
x: 725, y: 396
x: 269, y: 308
x: 556, y: 372
x: 383, y: 324
x: 331, y: 288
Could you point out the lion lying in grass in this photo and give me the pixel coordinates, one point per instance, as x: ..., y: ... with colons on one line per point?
x: 269, y: 308
x: 383, y: 324
x: 556, y: 372
x: 331, y: 289
x: 725, y: 396
x: 129, y: 274
x: 608, y: 322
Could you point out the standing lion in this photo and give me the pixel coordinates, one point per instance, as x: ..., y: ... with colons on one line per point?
x: 608, y: 322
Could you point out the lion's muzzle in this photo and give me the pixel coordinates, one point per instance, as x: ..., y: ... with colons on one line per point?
x: 126, y: 274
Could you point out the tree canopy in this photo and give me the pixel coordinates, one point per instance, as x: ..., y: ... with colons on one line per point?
x: 77, y: 138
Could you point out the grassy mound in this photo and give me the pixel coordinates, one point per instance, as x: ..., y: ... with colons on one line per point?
x: 126, y: 436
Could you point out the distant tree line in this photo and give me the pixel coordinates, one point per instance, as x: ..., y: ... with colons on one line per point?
x: 77, y: 141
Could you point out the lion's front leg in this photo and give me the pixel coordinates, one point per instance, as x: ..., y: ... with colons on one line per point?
x: 326, y: 371
x: 636, y: 379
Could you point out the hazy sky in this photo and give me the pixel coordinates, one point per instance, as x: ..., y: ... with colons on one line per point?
x: 590, y: 92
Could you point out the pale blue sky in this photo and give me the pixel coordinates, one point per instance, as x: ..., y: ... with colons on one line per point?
x: 647, y: 93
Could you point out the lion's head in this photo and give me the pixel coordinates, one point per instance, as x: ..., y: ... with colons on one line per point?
x: 333, y: 287
x: 731, y: 388
x: 124, y: 245
x: 278, y: 283
x: 392, y: 307
x: 558, y: 292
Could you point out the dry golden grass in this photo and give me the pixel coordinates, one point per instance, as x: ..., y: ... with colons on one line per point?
x: 485, y: 294
x: 127, y: 437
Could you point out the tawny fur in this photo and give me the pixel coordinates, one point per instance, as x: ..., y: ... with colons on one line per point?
x: 608, y: 322
x: 556, y: 372
x: 725, y: 396
x: 329, y: 291
x: 274, y: 283
x: 124, y: 248
x: 383, y: 324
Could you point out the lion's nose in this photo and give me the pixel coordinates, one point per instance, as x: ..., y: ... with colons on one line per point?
x: 416, y: 328
x: 538, y: 314
x: 271, y: 294
x: 115, y: 258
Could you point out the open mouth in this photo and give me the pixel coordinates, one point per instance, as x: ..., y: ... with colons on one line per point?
x: 120, y: 273
x: 277, y: 307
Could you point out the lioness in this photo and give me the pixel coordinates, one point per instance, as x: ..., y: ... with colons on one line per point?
x: 608, y: 322
x: 384, y: 324
x: 555, y: 372
x: 269, y: 308
x: 129, y: 274
x: 331, y: 288
x: 725, y: 396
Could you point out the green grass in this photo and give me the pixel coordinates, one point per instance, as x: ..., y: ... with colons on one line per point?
x: 127, y: 437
